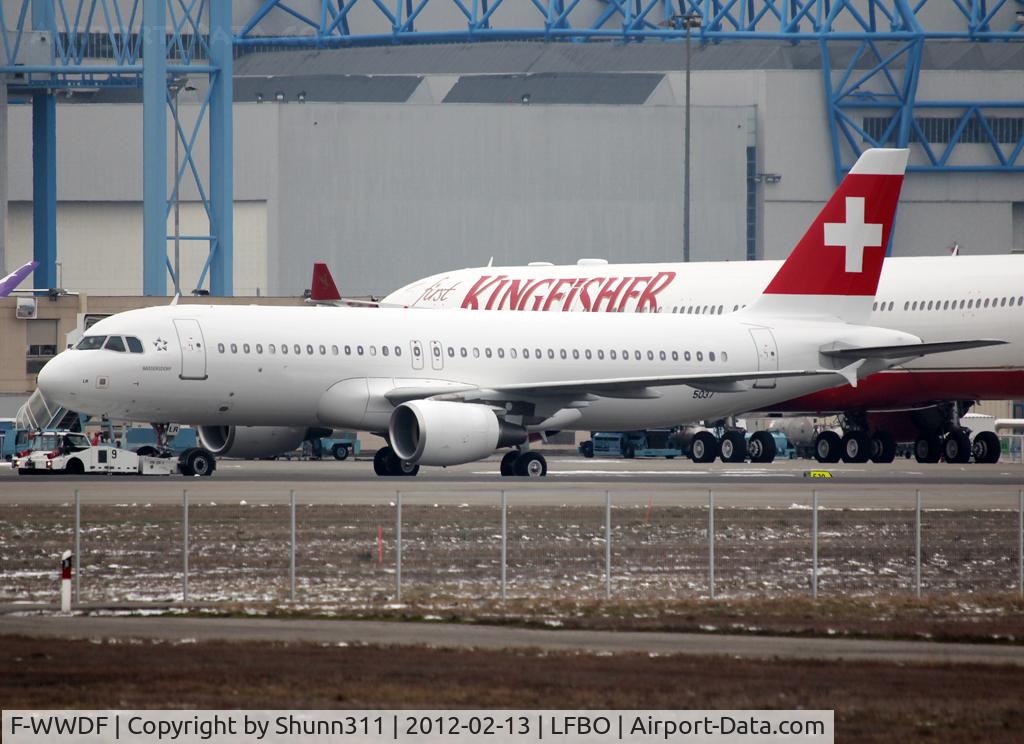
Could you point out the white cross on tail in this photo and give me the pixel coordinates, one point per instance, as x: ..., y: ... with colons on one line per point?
x: 853, y: 235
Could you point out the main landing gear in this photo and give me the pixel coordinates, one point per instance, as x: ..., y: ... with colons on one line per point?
x: 854, y: 446
x: 386, y: 463
x: 733, y: 447
x: 525, y: 464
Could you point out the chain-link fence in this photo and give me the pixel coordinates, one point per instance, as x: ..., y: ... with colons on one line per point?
x: 450, y: 548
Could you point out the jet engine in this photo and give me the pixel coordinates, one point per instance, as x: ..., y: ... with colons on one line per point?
x: 429, y: 432
x: 251, y: 442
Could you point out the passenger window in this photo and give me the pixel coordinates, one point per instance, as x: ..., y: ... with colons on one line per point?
x: 611, y: 354
x: 662, y: 356
x: 501, y: 352
x: 970, y: 304
x: 245, y: 348
x: 945, y: 305
x: 711, y: 356
x: 220, y: 348
x: 234, y: 348
x: 575, y: 353
x: 271, y: 348
x: 551, y: 353
x: 625, y: 355
x: 700, y: 356
x: 914, y: 306
x: 1011, y: 301
x: 986, y: 305
x: 384, y: 350
x: 348, y: 351
x: 134, y: 345
x: 562, y: 354
x: 526, y: 353
x: 359, y: 350
x: 309, y: 349
x: 720, y: 308
x: 1002, y: 303
x: 334, y: 350
x: 487, y: 352
x: 323, y: 350
x: 874, y: 306
x: 735, y: 308
x: 650, y: 356
x: 686, y: 355
x: 297, y: 349
x: 398, y: 351
x: 675, y: 356
x: 373, y: 351
x: 512, y: 352
x: 476, y: 352
x: 929, y: 304
x: 725, y: 357
x: 587, y: 354
x: 463, y: 352
x: 115, y: 343
x: 600, y: 354
x: 536, y: 353
x: 637, y: 355
x: 451, y: 352
x: 906, y: 305
x: 284, y: 348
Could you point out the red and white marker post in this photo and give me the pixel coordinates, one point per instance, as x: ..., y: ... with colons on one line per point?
x: 65, y: 582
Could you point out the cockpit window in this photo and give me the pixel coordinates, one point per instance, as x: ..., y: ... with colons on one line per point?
x: 134, y: 345
x: 115, y: 343
x: 91, y: 342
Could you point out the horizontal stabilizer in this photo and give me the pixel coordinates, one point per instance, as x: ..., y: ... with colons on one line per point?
x: 909, y: 350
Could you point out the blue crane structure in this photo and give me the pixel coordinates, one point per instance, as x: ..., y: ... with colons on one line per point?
x: 54, y: 45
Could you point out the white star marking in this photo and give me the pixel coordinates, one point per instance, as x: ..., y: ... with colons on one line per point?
x: 853, y: 235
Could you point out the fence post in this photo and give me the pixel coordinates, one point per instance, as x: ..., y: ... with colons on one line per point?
x: 711, y: 544
x: 814, y: 544
x: 917, y: 544
x: 291, y: 565
x: 607, y: 544
x: 78, y: 546
x: 398, y: 546
x: 1020, y: 541
x: 504, y: 546
x: 184, y: 545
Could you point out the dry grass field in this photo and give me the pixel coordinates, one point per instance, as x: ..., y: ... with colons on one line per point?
x: 874, y: 702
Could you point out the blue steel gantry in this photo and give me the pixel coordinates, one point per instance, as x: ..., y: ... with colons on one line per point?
x: 871, y: 53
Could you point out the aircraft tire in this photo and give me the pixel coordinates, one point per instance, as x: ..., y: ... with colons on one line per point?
x: 201, y: 462
x: 531, y: 465
x: 883, y: 447
x: 956, y: 448
x: 703, y: 447
x: 928, y: 449
x: 762, y: 447
x: 733, y: 447
x: 380, y: 461
x: 856, y: 446
x: 828, y: 447
x: 397, y: 466
x: 508, y: 463
x: 987, y: 448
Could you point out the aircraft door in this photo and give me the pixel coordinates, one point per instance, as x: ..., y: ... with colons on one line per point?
x: 416, y: 355
x: 436, y: 355
x: 193, y: 349
x: 767, y: 354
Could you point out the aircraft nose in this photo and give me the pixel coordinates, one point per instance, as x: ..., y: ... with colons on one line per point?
x: 55, y: 380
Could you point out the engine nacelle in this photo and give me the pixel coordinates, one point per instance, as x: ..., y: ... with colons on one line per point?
x: 430, y: 432
x: 250, y: 442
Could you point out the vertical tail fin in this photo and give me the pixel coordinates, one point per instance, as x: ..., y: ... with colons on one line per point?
x: 323, y: 289
x: 834, y: 269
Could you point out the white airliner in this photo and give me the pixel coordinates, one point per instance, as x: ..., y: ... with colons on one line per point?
x: 934, y: 298
x: 450, y: 387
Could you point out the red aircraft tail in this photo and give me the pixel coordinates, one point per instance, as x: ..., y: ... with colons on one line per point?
x: 323, y: 289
